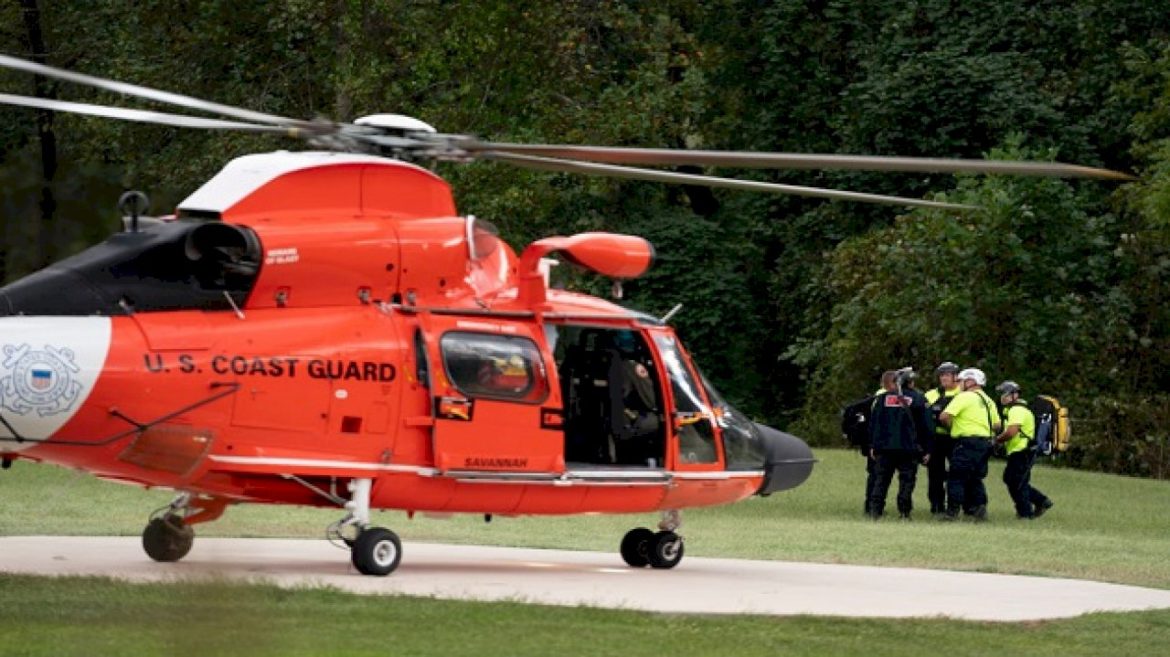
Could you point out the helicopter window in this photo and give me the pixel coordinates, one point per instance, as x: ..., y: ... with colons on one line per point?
x: 743, y: 446
x: 422, y: 367
x: 696, y: 437
x: 494, y: 366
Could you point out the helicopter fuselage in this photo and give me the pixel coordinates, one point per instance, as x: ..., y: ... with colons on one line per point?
x: 310, y: 320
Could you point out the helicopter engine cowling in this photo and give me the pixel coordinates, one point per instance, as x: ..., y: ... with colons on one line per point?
x: 788, y: 461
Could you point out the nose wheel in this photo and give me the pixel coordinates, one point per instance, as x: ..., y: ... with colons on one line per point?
x: 663, y: 549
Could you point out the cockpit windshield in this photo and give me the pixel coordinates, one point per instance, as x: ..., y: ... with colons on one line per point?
x: 743, y: 445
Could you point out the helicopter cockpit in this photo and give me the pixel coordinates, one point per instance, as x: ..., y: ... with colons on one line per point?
x: 167, y: 265
x: 615, y: 404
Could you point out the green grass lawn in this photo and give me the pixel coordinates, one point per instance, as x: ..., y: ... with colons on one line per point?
x: 88, y: 616
x: 1103, y: 527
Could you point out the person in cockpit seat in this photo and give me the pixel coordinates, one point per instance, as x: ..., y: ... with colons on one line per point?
x: 633, y: 411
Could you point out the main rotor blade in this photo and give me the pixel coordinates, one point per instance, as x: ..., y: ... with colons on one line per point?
x: 592, y: 168
x: 167, y: 97
x: 748, y: 159
x: 143, y: 116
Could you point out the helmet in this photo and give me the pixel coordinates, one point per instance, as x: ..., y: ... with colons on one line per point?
x: 975, y: 375
x: 946, y: 367
x: 1007, y: 388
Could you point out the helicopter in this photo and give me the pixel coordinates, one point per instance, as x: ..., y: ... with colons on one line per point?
x: 323, y: 328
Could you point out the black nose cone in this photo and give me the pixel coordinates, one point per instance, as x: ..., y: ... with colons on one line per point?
x: 788, y: 461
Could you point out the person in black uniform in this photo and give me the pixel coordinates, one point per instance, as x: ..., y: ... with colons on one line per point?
x: 900, y: 436
x: 855, y: 429
x: 936, y: 402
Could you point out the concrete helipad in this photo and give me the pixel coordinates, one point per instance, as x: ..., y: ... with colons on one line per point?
x: 560, y: 577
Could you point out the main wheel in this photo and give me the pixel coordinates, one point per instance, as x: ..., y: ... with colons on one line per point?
x: 376, y: 551
x: 636, y: 547
x: 666, y: 550
x: 167, y: 538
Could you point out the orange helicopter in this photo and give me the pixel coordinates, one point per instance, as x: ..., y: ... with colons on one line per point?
x: 323, y: 328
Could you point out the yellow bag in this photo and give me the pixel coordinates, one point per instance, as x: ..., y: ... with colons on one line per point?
x: 1053, y: 429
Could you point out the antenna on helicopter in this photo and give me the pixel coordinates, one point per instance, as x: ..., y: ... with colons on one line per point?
x: 673, y: 311
x: 132, y: 204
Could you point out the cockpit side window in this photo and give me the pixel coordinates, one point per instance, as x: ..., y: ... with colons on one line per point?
x: 692, y: 417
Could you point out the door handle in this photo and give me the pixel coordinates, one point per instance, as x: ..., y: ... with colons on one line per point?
x: 455, y: 408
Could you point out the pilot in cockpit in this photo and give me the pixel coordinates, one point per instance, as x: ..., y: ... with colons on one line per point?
x: 634, y: 402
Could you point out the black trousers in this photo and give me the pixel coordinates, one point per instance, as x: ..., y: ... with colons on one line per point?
x: 1018, y: 478
x: 906, y: 465
x: 870, y: 477
x: 936, y: 473
x: 965, y: 488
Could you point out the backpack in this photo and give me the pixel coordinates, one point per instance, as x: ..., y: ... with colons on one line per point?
x: 855, y: 421
x: 1053, y: 430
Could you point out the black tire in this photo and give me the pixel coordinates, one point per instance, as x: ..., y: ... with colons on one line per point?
x: 666, y: 550
x: 167, y: 539
x: 376, y: 551
x: 636, y: 547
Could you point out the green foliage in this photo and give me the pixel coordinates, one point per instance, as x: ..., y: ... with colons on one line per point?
x: 1018, y: 288
x: 791, y: 305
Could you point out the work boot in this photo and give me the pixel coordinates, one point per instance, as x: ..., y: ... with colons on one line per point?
x: 979, y: 513
x: 1041, y: 509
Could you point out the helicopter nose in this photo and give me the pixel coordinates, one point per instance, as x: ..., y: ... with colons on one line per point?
x: 788, y: 461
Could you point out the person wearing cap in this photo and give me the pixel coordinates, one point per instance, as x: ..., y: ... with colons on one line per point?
x: 1019, y: 429
x: 900, y: 436
x: 974, y: 422
x: 936, y: 469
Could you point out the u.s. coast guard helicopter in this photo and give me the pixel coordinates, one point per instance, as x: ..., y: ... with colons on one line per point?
x: 324, y: 328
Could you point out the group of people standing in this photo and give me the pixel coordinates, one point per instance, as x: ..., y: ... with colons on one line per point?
x: 952, y: 430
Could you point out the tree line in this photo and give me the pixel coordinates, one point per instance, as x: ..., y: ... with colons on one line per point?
x: 792, y: 306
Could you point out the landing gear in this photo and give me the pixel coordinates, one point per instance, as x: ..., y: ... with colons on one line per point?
x: 663, y: 549
x: 376, y: 551
x: 169, y: 535
x: 167, y: 538
x: 636, y: 547
x: 373, y: 550
x: 666, y: 550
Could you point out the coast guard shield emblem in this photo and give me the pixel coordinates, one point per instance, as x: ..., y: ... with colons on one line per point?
x: 41, y: 381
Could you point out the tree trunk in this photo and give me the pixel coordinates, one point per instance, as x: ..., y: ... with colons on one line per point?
x: 35, y: 42
x: 343, y: 102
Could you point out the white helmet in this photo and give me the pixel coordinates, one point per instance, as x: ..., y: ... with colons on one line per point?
x: 975, y: 375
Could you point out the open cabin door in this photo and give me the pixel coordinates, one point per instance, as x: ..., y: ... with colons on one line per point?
x: 494, y: 407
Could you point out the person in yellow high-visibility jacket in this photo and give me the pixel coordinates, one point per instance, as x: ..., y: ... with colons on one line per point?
x: 974, y: 422
x: 1019, y: 430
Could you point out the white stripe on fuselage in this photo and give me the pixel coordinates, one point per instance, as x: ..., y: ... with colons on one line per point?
x: 48, y: 368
